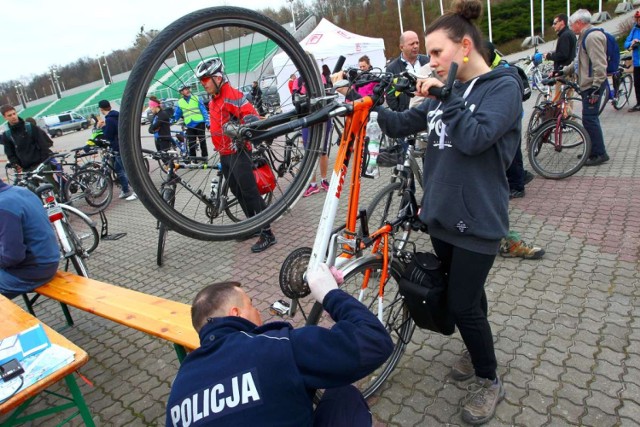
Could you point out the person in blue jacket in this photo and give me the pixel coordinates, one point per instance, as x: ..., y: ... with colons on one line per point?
x: 247, y: 373
x: 29, y: 251
x: 472, y: 138
x: 633, y: 43
x: 109, y: 128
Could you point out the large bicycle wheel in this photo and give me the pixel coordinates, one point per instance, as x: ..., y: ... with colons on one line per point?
x: 84, y: 229
x: 395, y: 315
x: 167, y: 196
x: 88, y: 190
x: 251, y: 46
x: 624, y: 90
x: 557, y: 154
x: 605, y: 97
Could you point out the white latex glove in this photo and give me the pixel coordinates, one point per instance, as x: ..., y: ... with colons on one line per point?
x: 321, y: 282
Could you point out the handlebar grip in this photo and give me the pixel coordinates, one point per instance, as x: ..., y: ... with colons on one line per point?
x: 443, y: 92
x: 339, y: 64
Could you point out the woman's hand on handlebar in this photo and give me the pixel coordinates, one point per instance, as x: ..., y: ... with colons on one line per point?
x: 423, y: 86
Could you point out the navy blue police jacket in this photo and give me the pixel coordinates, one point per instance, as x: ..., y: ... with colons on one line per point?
x: 248, y: 375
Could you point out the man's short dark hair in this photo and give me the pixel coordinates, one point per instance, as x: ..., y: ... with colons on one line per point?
x: 6, y: 108
x: 562, y: 17
x: 104, y: 104
x: 210, y: 300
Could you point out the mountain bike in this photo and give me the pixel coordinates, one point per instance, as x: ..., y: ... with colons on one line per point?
x: 557, y: 146
x: 536, y: 70
x: 251, y: 47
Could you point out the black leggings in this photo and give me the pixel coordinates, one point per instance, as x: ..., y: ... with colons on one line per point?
x: 237, y: 168
x: 195, y: 135
x: 468, y: 302
x: 636, y: 83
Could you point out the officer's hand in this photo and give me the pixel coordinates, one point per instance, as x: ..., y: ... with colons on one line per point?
x: 321, y: 282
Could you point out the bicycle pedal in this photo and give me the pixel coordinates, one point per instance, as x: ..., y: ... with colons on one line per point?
x: 280, y: 308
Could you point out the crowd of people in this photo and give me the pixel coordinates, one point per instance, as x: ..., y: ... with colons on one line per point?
x: 249, y: 372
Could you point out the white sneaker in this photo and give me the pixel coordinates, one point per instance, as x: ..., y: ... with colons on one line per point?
x: 124, y: 195
x: 132, y: 197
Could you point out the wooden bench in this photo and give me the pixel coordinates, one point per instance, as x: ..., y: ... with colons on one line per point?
x: 153, y: 315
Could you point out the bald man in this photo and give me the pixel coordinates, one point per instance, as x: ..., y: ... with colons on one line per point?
x: 409, y: 59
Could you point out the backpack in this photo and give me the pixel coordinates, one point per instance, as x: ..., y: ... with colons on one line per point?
x: 526, y: 86
x: 27, y: 125
x: 613, y: 53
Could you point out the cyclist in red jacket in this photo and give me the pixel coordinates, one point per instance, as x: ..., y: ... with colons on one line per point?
x: 229, y: 104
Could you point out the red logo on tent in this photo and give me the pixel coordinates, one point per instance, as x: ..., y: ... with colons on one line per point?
x: 314, y: 38
x: 344, y: 34
x: 358, y: 47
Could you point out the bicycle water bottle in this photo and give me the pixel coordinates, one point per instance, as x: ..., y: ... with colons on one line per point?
x: 374, y: 133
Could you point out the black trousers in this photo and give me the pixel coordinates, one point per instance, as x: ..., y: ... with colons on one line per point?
x: 195, y: 135
x: 515, y: 173
x: 237, y: 168
x: 636, y: 83
x: 467, y: 302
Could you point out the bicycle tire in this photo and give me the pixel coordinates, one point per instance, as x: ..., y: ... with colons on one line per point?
x: 624, y: 90
x: 234, y: 210
x: 188, y: 216
x: 605, y: 97
x: 90, y: 191
x: 558, y: 164
x: 167, y: 196
x: 386, y: 201
x: 77, y: 257
x: 85, y: 230
x: 396, y: 316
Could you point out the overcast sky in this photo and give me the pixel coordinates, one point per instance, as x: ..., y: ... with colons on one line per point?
x: 41, y: 33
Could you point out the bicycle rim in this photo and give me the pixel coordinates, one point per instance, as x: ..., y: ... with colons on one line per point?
x: 395, y: 316
x: 622, y: 97
x: 604, y: 99
x: 84, y: 230
x: 248, y: 43
x: 77, y: 258
x: 553, y: 163
x: 89, y: 190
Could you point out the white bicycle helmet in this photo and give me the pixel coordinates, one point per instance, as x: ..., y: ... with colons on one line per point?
x: 210, y: 67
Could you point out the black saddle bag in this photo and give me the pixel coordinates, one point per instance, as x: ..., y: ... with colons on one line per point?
x: 424, y: 288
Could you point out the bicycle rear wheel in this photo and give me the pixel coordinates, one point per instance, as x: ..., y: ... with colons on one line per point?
x: 624, y: 90
x: 85, y: 231
x: 606, y: 96
x: 89, y: 190
x: 79, y: 253
x: 396, y: 318
x: 251, y: 46
x: 559, y: 154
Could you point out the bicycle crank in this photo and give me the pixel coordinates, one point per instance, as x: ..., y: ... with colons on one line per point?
x: 291, y: 277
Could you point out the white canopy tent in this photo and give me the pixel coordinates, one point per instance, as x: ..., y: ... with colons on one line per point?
x: 327, y: 42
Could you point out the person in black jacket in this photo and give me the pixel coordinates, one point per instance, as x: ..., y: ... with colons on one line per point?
x: 26, y: 146
x: 246, y: 373
x: 409, y: 59
x: 565, y: 48
x: 256, y: 96
x: 160, y: 125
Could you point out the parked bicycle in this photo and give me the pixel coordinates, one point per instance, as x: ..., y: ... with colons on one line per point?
x: 619, y: 90
x: 557, y: 145
x: 536, y: 70
x: 77, y: 233
x: 88, y: 190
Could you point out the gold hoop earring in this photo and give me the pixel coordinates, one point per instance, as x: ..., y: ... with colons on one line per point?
x: 465, y: 59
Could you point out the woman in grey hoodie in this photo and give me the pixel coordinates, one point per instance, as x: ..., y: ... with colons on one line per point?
x: 473, y: 135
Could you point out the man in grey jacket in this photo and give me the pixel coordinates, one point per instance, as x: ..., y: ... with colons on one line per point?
x: 590, y: 65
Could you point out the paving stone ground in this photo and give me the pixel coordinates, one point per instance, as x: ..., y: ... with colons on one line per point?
x: 566, y: 328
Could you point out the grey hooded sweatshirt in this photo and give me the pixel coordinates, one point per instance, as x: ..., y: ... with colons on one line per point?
x: 466, y: 194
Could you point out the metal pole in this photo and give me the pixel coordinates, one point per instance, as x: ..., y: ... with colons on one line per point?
x: 101, y: 72
x: 542, y: 18
x: 441, y: 8
x: 293, y: 16
x: 186, y: 57
x: 599, y: 6
x: 532, y: 33
x: 400, y: 17
x: 424, y: 23
x: 106, y: 64
x: 568, y: 8
x: 489, y: 18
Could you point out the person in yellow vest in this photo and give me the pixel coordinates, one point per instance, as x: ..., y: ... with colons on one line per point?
x: 196, y: 119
